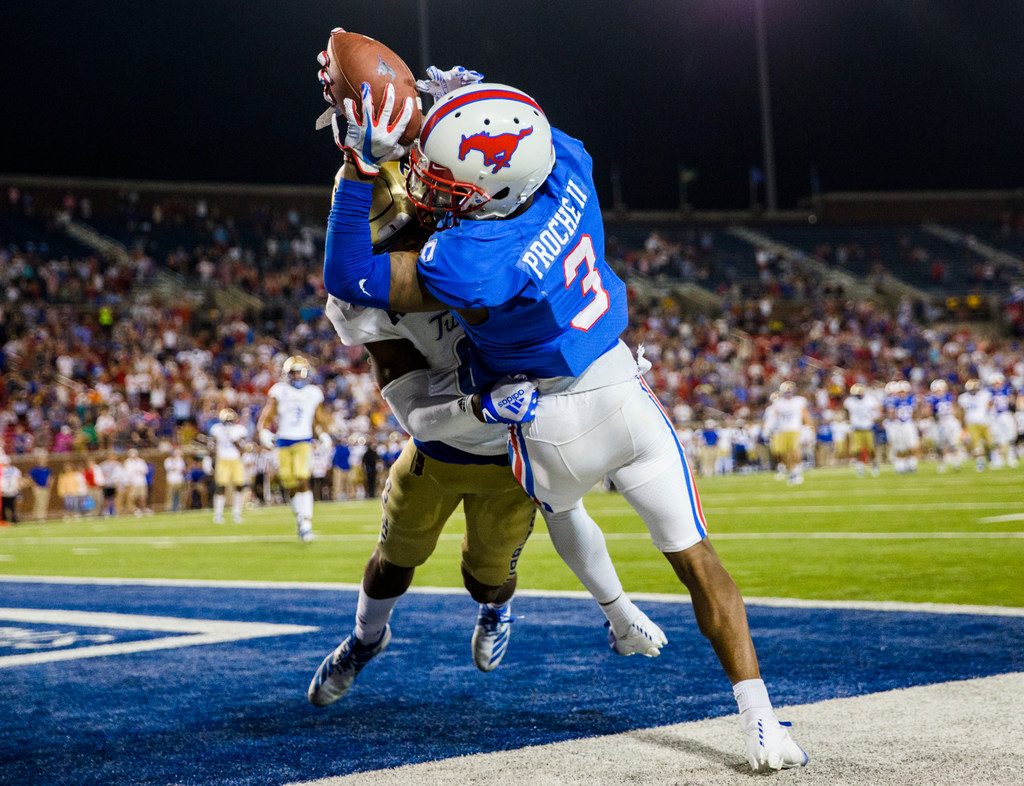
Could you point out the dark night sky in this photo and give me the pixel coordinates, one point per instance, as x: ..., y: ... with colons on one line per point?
x: 877, y: 94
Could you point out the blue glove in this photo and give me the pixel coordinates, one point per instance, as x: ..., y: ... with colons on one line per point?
x: 511, y: 400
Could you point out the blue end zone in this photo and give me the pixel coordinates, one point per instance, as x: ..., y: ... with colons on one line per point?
x: 237, y: 713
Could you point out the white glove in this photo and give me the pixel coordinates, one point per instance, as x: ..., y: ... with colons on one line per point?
x: 439, y: 83
x: 511, y: 400
x: 267, y: 439
x: 326, y: 440
x: 369, y: 138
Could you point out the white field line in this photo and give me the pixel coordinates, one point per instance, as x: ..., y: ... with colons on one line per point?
x: 851, y: 507
x: 653, y: 597
x: 170, y: 542
x: 202, y: 632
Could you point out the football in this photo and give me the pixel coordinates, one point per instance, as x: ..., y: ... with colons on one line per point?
x: 353, y: 59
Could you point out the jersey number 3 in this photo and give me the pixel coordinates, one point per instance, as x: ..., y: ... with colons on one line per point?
x: 591, y: 282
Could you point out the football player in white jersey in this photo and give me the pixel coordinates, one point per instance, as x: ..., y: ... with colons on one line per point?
x: 791, y: 414
x: 296, y: 405
x: 864, y: 411
x: 975, y: 404
x: 230, y: 437
x: 454, y: 457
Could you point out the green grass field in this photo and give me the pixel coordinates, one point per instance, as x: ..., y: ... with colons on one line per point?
x: 953, y: 538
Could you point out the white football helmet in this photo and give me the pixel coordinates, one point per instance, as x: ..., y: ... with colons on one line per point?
x: 857, y: 389
x: 939, y: 386
x: 482, y: 152
x: 227, y: 415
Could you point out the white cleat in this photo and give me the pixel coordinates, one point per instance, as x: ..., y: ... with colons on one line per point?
x: 769, y: 746
x: 642, y: 638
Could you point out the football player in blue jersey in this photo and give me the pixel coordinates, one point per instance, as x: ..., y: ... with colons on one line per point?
x: 519, y: 258
x: 457, y: 456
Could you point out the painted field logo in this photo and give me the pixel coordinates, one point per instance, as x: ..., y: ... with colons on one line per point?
x: 497, y: 150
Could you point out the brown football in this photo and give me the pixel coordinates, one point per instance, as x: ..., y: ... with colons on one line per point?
x: 354, y: 59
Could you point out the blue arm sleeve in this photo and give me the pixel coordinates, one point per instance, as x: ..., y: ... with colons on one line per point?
x: 352, y: 272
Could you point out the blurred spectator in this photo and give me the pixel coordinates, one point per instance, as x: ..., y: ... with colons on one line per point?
x: 174, y: 473
x: 11, y: 483
x: 42, y: 483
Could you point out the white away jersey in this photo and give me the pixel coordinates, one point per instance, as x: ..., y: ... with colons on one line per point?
x: 295, y: 410
x: 789, y: 413
x: 226, y: 435
x: 975, y: 406
x: 441, y: 340
x: 863, y: 411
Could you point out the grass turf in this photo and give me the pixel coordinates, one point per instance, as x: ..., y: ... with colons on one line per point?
x: 950, y: 538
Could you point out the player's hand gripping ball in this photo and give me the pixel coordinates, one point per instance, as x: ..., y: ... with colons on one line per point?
x: 352, y: 59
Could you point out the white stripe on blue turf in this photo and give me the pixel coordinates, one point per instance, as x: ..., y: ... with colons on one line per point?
x: 201, y: 632
x: 654, y: 597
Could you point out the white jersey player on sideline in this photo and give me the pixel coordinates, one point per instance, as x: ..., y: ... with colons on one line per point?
x: 975, y: 403
x: 791, y: 415
x: 230, y: 437
x: 1004, y: 427
x: 864, y: 411
x: 296, y: 405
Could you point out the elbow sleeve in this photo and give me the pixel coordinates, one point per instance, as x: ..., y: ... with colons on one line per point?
x: 352, y: 272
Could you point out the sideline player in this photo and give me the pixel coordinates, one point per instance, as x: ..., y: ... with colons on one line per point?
x: 947, y: 425
x: 230, y: 437
x: 975, y: 403
x: 296, y: 405
x: 453, y: 458
x: 1003, y: 425
x: 791, y: 415
x: 864, y: 411
x: 521, y: 261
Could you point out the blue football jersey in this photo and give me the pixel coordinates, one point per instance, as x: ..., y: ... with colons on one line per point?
x: 555, y: 305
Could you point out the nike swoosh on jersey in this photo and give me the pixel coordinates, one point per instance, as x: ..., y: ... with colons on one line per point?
x: 361, y: 282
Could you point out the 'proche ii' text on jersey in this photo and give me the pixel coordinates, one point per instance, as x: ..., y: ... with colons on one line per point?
x: 554, y: 304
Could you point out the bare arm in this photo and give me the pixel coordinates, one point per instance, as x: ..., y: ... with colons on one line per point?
x: 267, y: 414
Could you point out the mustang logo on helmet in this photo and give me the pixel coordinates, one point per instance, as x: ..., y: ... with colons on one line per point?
x: 497, y: 150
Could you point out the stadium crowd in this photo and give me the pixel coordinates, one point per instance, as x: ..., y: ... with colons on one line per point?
x: 96, y: 364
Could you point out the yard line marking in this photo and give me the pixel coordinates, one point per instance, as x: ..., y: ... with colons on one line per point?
x: 845, y: 508
x: 654, y: 597
x: 998, y: 519
x: 202, y: 632
x: 170, y: 543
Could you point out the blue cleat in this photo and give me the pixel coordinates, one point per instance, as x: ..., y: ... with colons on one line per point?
x: 340, y: 669
x: 491, y: 635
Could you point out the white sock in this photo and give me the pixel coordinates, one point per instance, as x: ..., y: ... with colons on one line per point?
x: 304, y: 506
x: 752, y: 699
x: 372, y: 615
x: 236, y: 505
x: 218, y: 506
x: 620, y: 612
